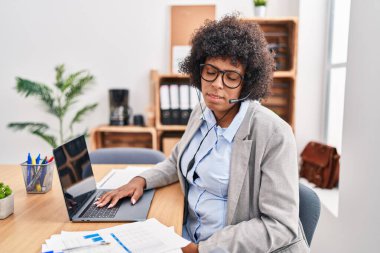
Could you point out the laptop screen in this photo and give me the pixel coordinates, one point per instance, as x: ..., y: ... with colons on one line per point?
x: 75, y: 173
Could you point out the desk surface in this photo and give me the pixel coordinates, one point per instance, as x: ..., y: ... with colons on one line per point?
x: 37, y: 216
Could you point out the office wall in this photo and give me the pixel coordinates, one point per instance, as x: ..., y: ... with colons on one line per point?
x: 118, y: 41
x: 356, y: 229
x: 312, y: 37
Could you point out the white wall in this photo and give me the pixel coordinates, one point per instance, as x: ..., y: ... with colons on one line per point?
x: 119, y: 42
x: 312, y: 37
x: 357, y: 227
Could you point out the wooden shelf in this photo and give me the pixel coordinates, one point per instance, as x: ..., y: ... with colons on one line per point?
x: 281, y: 74
x: 281, y: 34
x: 173, y: 76
x: 123, y: 136
x: 171, y: 128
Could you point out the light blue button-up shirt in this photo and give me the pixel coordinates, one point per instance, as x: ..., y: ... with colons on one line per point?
x: 208, y: 178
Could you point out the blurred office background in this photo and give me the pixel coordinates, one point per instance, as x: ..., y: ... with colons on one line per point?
x: 119, y: 42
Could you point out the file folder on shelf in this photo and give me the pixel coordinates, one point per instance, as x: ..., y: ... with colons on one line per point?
x: 165, y: 105
x: 174, y: 104
x: 184, y: 103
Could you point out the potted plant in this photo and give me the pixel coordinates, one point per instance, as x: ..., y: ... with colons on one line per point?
x: 6, y: 201
x: 260, y: 7
x: 59, y: 101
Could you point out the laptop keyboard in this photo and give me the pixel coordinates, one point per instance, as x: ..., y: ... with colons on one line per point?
x: 100, y: 212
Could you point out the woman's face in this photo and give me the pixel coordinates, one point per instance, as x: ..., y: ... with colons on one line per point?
x: 215, y: 93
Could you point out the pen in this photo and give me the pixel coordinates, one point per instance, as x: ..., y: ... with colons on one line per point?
x: 37, y: 162
x: 88, y: 245
x: 51, y: 159
x: 42, y: 178
x: 44, y: 160
x: 43, y: 168
x: 38, y: 159
x: 32, y: 184
x: 38, y: 173
x: 34, y: 173
x: 34, y: 164
x: 32, y: 179
x: 28, y: 169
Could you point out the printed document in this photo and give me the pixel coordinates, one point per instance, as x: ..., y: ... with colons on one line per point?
x: 119, y: 177
x: 147, y: 236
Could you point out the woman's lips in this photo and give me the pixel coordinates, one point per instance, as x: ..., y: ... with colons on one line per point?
x: 214, y: 96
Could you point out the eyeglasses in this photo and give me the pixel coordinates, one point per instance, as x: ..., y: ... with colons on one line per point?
x: 230, y: 78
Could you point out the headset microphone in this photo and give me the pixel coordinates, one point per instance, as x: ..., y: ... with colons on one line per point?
x: 235, y: 100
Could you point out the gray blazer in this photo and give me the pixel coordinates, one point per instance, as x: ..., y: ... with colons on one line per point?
x: 263, y: 197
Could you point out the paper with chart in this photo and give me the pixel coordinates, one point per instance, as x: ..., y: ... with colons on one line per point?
x: 118, y: 177
x: 81, y: 241
x: 147, y: 236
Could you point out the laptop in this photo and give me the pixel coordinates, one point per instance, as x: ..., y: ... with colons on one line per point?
x: 80, y: 191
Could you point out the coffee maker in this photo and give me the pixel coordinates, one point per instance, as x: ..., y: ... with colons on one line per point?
x: 119, y: 109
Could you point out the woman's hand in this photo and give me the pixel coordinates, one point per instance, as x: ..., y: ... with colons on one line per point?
x: 190, y: 248
x: 133, y: 189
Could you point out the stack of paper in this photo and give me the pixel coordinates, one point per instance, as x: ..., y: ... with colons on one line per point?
x: 119, y: 177
x: 147, y: 236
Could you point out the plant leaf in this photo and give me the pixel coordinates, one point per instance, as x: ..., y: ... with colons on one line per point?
x: 78, y: 116
x: 48, y: 138
x: 41, y: 91
x: 75, y: 89
x: 70, y: 81
x: 17, y: 126
x: 38, y: 129
x: 58, y: 76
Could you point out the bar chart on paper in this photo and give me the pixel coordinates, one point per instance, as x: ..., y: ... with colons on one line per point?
x: 150, y: 236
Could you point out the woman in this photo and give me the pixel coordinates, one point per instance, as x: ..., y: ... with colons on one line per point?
x: 236, y: 161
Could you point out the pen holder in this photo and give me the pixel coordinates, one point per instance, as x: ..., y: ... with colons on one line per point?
x: 37, y: 178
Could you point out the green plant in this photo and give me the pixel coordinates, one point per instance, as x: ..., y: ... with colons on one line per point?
x: 260, y: 2
x: 58, y: 101
x: 5, y: 190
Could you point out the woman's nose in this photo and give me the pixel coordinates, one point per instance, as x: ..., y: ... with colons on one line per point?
x: 218, y: 83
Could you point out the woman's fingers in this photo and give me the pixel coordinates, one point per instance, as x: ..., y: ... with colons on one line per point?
x: 104, y: 200
x: 120, y: 195
x: 136, y: 195
x: 113, y: 197
x: 135, y: 188
x: 103, y: 197
x: 114, y: 201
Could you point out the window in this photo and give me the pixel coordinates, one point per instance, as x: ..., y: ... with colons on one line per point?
x: 336, y: 70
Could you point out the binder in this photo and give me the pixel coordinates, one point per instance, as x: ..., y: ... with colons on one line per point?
x: 174, y: 104
x: 165, y: 104
x: 184, y: 103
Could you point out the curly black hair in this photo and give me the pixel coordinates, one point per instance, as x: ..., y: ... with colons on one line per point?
x: 241, y: 41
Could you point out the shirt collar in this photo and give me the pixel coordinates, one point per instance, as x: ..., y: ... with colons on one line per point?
x: 229, y: 132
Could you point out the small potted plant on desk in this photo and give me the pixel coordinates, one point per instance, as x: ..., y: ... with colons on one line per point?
x: 6, y: 201
x: 260, y: 7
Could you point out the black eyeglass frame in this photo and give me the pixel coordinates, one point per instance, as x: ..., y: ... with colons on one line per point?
x: 202, y: 65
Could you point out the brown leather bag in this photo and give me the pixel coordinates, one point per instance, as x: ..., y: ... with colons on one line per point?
x: 320, y: 165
